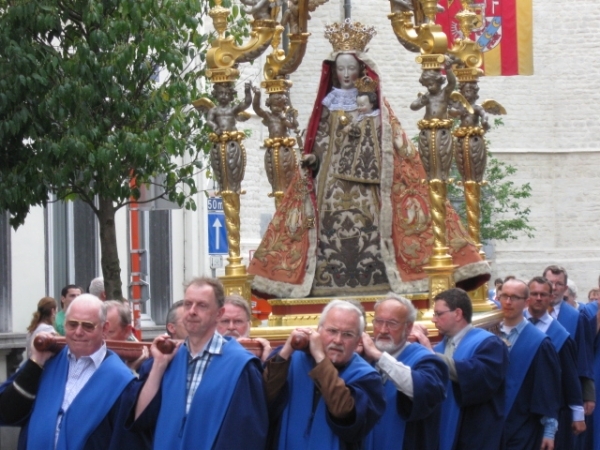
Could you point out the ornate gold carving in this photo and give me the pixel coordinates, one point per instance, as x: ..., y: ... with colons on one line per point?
x: 224, y: 54
x: 434, y: 124
x: 349, y: 36
x: 366, y: 84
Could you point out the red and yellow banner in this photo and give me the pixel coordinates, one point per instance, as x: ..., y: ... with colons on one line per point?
x: 505, y: 33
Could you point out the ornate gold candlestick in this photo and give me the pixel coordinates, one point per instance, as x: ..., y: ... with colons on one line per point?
x: 228, y: 155
x: 435, y: 139
x: 470, y: 147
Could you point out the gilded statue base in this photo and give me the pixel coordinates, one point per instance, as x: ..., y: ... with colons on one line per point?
x: 479, y: 300
x: 239, y: 284
x: 440, y: 272
x: 288, y: 314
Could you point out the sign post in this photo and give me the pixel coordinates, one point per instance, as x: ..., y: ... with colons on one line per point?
x: 217, y: 231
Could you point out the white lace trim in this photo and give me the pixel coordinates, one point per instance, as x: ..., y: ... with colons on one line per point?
x: 341, y: 99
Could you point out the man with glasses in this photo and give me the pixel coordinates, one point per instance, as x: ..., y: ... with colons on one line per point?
x: 236, y: 322
x: 414, y: 379
x: 326, y: 397
x: 581, y: 328
x: 208, y: 393
x: 76, y: 398
x: 532, y: 405
x: 477, y: 360
x: 571, y: 420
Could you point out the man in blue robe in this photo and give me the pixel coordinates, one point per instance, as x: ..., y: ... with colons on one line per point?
x: 76, y: 399
x: 592, y: 438
x: 533, y: 378
x: 571, y: 419
x: 477, y: 360
x: 415, y: 379
x: 580, y: 329
x: 327, y: 397
x: 208, y: 393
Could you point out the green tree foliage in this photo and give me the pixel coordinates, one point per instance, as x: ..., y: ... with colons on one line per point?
x: 82, y: 112
x: 503, y: 216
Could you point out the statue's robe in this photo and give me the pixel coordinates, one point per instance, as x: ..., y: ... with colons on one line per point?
x: 363, y: 223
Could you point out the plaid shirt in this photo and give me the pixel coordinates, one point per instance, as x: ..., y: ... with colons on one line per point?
x: 198, y: 364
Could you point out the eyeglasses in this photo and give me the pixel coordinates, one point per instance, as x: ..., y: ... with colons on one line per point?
x: 557, y: 284
x: 441, y: 313
x: 391, y: 324
x: 88, y: 327
x: 346, y: 335
x: 512, y: 298
x: 235, y: 322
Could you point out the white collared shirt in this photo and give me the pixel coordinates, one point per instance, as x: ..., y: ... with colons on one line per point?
x: 80, y: 371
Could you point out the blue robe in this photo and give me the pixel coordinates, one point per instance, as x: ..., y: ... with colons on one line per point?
x: 579, y: 328
x: 308, y: 426
x: 229, y: 408
x: 473, y: 412
x: 100, y: 427
x: 570, y: 385
x: 592, y: 434
x: 533, y: 389
x: 414, y: 422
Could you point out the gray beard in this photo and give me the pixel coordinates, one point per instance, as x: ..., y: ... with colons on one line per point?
x: 387, y: 346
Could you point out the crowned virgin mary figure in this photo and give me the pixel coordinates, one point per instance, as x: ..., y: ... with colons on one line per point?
x: 356, y: 220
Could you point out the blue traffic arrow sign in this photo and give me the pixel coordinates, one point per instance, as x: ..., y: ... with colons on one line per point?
x: 217, y: 231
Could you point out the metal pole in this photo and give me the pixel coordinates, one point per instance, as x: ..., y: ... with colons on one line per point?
x: 347, y: 9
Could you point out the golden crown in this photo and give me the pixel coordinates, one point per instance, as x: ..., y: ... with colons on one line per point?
x: 366, y: 84
x: 349, y: 36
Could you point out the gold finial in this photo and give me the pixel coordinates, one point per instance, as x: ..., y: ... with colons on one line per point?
x: 366, y: 84
x: 349, y: 36
x: 219, y: 17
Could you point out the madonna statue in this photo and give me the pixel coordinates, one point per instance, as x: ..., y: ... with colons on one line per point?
x: 356, y: 221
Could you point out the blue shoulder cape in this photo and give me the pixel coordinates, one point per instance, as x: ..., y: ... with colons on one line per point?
x: 200, y: 427
x: 300, y: 428
x: 557, y: 334
x: 450, y: 409
x: 521, y: 356
x: 88, y: 409
x: 388, y: 433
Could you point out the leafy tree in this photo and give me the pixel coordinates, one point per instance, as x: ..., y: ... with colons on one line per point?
x: 83, y: 114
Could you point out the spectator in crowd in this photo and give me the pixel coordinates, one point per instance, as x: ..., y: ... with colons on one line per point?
x: 42, y: 321
x: 97, y: 288
x: 67, y: 295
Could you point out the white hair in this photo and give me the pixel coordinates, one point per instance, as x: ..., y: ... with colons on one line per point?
x: 412, y: 311
x: 89, y: 300
x: 343, y: 304
x: 97, y: 287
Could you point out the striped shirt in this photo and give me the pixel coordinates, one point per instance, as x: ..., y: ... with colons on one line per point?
x: 198, y: 364
x: 80, y: 371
